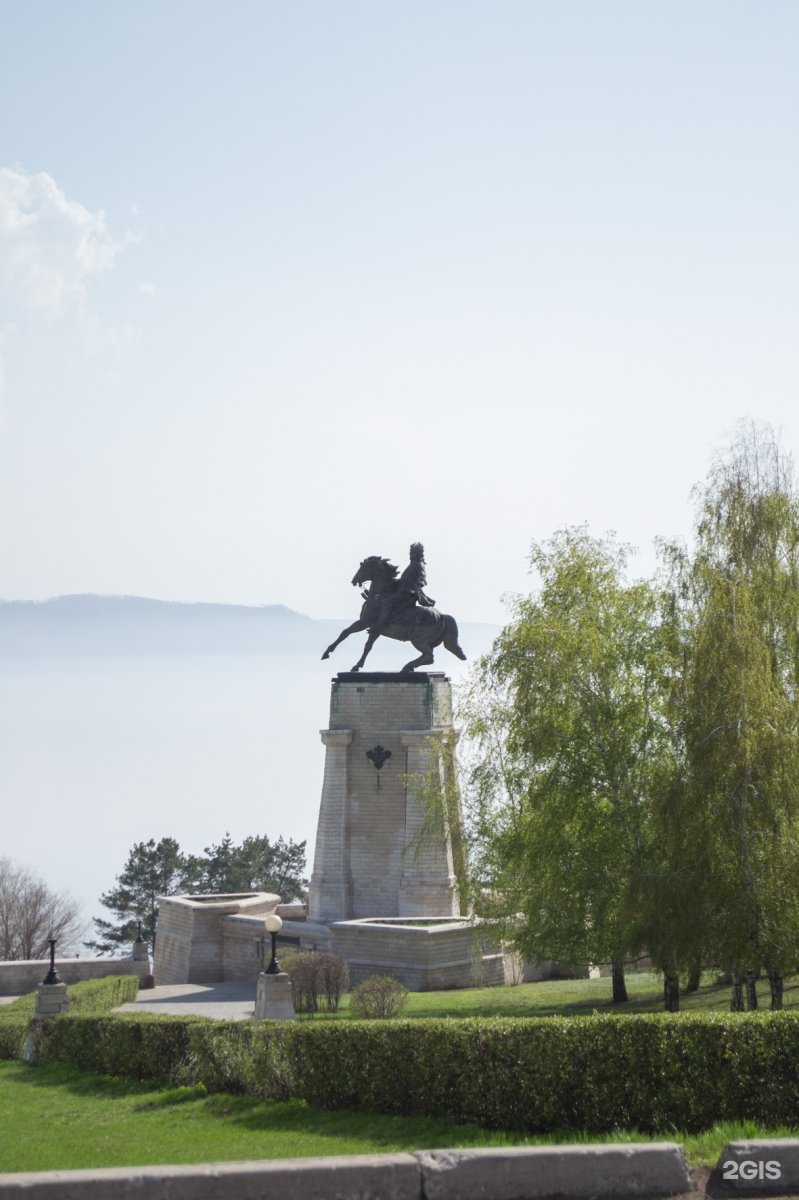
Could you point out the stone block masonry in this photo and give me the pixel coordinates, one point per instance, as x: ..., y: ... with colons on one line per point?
x: 206, y: 939
x: 387, y: 734
x: 384, y: 886
x: 24, y: 975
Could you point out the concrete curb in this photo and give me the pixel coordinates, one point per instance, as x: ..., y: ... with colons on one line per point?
x: 517, y: 1173
x: 535, y: 1172
x: 757, y: 1168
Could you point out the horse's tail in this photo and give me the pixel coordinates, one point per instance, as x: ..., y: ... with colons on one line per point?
x: 451, y: 636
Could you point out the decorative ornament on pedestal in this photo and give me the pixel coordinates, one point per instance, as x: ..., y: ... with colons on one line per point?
x: 51, y: 999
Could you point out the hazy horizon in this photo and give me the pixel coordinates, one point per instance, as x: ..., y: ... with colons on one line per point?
x: 100, y: 751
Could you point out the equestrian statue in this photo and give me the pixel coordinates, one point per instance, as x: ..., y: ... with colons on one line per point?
x: 400, y: 609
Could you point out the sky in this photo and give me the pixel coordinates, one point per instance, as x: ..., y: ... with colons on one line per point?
x: 284, y: 285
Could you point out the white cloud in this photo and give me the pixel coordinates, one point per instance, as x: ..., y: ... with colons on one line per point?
x: 149, y: 289
x: 50, y: 247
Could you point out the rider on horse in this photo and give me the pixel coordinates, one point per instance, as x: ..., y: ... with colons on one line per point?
x: 409, y: 588
x: 398, y: 608
x: 414, y: 578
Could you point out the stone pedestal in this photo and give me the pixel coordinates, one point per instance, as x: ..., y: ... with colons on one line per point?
x: 273, y: 998
x: 377, y: 852
x: 51, y: 998
x: 140, y: 951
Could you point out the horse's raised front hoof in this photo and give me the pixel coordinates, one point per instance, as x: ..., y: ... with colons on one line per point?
x: 326, y: 654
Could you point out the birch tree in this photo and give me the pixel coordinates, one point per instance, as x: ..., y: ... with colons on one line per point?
x: 567, y: 715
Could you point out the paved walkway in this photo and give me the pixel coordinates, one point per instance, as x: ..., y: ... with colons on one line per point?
x: 224, y: 1001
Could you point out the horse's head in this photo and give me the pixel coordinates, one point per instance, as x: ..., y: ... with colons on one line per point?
x: 373, y: 568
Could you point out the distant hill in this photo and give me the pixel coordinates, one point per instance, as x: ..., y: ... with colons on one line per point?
x: 99, y: 625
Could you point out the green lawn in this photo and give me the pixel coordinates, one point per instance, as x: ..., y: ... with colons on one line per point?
x: 54, y: 1119
x: 571, y: 997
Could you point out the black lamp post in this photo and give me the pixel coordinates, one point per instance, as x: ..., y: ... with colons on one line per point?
x: 52, y: 975
x: 273, y: 926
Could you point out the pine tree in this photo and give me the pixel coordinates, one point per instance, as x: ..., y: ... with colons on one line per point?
x: 152, y: 870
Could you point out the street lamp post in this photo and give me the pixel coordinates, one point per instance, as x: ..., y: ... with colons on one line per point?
x: 52, y: 975
x: 273, y: 926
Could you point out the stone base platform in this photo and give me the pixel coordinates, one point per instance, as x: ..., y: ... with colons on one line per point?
x: 209, y: 939
x: 217, y: 939
x: 425, y: 953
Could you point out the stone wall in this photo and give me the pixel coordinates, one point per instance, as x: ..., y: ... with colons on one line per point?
x: 244, y: 943
x: 447, y: 954
x: 17, y: 978
x: 190, y: 945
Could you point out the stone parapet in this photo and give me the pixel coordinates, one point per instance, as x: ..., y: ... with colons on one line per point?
x: 292, y: 912
x: 444, y: 954
x: 24, y: 975
x: 243, y: 946
x: 190, y: 946
x: 307, y: 935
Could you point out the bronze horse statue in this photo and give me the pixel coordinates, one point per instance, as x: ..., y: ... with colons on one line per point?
x: 387, y: 612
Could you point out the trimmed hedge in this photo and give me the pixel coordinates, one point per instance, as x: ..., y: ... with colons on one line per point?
x: 655, y: 1073
x: 93, y: 997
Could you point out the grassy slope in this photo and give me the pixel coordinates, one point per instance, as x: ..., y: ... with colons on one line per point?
x: 53, y: 1119
x: 571, y: 997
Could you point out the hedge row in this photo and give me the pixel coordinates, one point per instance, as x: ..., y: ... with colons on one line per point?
x: 654, y: 1073
x: 91, y: 998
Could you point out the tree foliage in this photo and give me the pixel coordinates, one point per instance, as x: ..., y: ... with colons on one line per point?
x: 634, y: 781
x: 255, y: 865
x: 161, y: 868
x: 731, y: 822
x: 572, y: 742
x: 152, y: 869
x: 31, y: 913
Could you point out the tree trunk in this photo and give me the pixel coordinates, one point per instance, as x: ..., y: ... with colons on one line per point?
x: 751, y: 991
x: 619, y: 986
x: 671, y: 992
x: 693, y: 978
x: 775, y: 982
x: 736, y: 997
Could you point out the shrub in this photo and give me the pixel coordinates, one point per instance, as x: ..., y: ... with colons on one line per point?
x: 317, y: 980
x: 334, y: 979
x: 101, y: 995
x: 301, y: 968
x: 92, y: 997
x: 379, y: 997
x: 656, y: 1073
x: 13, y: 1027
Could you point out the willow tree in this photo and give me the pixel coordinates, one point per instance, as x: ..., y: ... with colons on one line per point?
x: 741, y: 795
x: 566, y: 717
